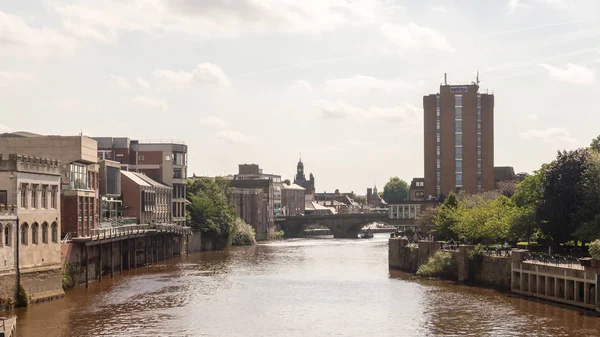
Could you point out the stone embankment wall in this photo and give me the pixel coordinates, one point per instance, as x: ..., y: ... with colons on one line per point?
x: 488, y: 271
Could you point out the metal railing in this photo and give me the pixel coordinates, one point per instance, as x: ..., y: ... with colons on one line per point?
x: 554, y: 260
x: 68, y: 237
x: 161, y: 141
x: 112, y: 232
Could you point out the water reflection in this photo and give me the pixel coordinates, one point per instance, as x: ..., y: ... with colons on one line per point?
x: 305, y: 287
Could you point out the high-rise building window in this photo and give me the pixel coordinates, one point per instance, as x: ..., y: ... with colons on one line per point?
x: 478, y: 152
x: 437, y: 125
x: 459, y: 180
x: 458, y: 167
x: 479, y: 140
x: 459, y: 153
x: 458, y: 112
x: 458, y: 125
x: 478, y: 127
x: 458, y: 139
x: 437, y: 151
x: 479, y: 101
x: 478, y: 165
x: 437, y: 101
x: 438, y: 138
x: 438, y: 164
x: 24, y: 188
x: 458, y: 100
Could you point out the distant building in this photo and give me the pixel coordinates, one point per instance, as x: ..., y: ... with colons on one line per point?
x: 314, y: 208
x: 79, y: 175
x: 263, y: 228
x: 109, y: 180
x: 374, y: 199
x: 252, y: 206
x: 522, y: 175
x: 253, y: 171
x: 458, y: 140
x: 293, y: 202
x: 417, y: 189
x: 343, y: 203
x: 164, y: 161
x: 504, y: 173
x: 145, y: 199
x: 30, y: 216
x: 300, y: 179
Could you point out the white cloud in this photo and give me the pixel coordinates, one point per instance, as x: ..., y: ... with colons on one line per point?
x: 550, y: 135
x: 4, y: 128
x: 11, y: 78
x: 231, y: 136
x: 513, y: 5
x: 142, y: 83
x: 439, y: 9
x: 300, y: 84
x: 368, y: 85
x: 16, y: 32
x: 532, y: 117
x: 413, y: 37
x: 213, y: 121
x: 149, y: 103
x: 205, y: 73
x: 406, y: 114
x: 120, y: 81
x: 104, y: 20
x: 573, y: 74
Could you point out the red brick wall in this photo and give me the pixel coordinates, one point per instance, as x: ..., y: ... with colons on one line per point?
x: 131, y: 198
x: 68, y: 213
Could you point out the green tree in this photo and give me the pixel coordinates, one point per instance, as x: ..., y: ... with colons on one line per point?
x: 395, y: 190
x: 523, y: 224
x: 562, y: 195
x: 588, y: 216
x: 482, y: 218
x: 445, y: 219
x: 595, y: 145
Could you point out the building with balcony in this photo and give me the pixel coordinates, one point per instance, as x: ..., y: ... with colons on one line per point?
x: 145, y: 199
x: 109, y: 179
x: 78, y: 175
x: 164, y: 161
x: 30, y: 224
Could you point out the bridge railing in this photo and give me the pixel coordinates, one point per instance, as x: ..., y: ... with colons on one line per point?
x: 125, y: 230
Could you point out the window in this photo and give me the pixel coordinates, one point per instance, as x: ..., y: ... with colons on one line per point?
x: 178, y: 158
x: 478, y: 165
x: 478, y: 127
x: 458, y: 139
x: 478, y: 114
x: 438, y: 137
x: 24, y: 188
x: 3, y: 197
x: 459, y: 179
x: 53, y: 196
x: 458, y: 125
x: 34, y: 233
x: 419, y: 194
x: 177, y: 173
x: 458, y: 100
x: 78, y: 177
x: 437, y: 112
x: 7, y: 235
x: 478, y: 152
x: 44, y: 196
x: 479, y: 140
x: 478, y: 179
x: 120, y: 158
x: 437, y: 149
x: 34, y: 196
x: 141, y: 158
x: 24, y: 233
x: 54, y: 232
x: 437, y: 124
x: 438, y: 164
x: 437, y: 101
x: 458, y: 112
x: 458, y: 167
x: 479, y: 101
x: 112, y: 181
x: 458, y: 153
x: 45, y: 233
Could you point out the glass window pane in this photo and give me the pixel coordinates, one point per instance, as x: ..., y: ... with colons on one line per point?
x: 458, y: 112
x: 459, y: 179
x: 458, y: 165
x: 458, y: 138
x: 458, y: 100
x: 458, y: 153
x: 437, y: 101
x: 458, y: 126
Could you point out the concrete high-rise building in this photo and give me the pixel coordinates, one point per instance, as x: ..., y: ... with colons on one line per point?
x: 458, y: 140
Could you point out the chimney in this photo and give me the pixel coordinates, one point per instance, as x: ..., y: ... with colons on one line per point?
x: 445, y: 79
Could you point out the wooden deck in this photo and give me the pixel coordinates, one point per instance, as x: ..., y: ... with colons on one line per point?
x: 9, y: 326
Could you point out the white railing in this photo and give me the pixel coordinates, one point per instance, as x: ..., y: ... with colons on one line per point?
x: 112, y: 232
x: 67, y: 238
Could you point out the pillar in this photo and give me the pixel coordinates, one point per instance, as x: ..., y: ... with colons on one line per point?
x: 112, y: 260
x: 586, y: 293
x: 171, y: 244
x: 156, y: 246
x: 135, y: 253
x: 128, y: 254
x: 100, y: 262
x: 187, y: 244
x: 121, y: 254
x: 87, y: 266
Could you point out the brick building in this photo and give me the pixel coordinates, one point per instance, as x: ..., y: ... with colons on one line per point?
x: 416, y: 191
x: 253, y: 171
x: 265, y: 229
x: 374, y: 199
x: 109, y: 180
x: 79, y: 175
x: 164, y: 161
x: 458, y: 140
x: 292, y: 199
x: 145, y: 199
x: 300, y: 179
x: 30, y: 223
x: 251, y: 205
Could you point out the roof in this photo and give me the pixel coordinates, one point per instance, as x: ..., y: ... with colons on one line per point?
x: 133, y: 176
x: 313, y: 205
x: 150, y: 181
x: 504, y: 173
x: 292, y: 187
x: 18, y: 134
x: 331, y: 203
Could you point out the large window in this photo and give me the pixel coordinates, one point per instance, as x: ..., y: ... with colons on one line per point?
x: 459, y: 153
x: 34, y: 195
x: 458, y: 125
x: 458, y: 139
x: 44, y: 196
x: 458, y: 167
x: 458, y: 112
x: 3, y: 197
x: 24, y: 232
x: 177, y: 173
x: 53, y: 196
x: 54, y: 232
x: 458, y: 100
x: 44, y: 232
x: 459, y: 179
x: 34, y: 233
x: 7, y: 235
x: 112, y: 181
x: 24, y: 188
x: 78, y: 177
x: 178, y: 158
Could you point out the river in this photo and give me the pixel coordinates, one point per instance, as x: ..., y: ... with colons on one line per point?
x: 303, y: 287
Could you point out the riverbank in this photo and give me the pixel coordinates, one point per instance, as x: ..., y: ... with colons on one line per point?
x: 325, y: 231
x: 567, y: 284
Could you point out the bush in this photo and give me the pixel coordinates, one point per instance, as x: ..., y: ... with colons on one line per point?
x: 278, y: 235
x: 439, y: 265
x: 243, y: 233
x: 22, y: 299
x: 595, y: 249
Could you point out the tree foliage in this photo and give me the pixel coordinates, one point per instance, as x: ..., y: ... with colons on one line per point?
x: 395, y: 190
x: 210, y: 209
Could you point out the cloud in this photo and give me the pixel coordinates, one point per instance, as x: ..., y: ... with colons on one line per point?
x: 120, y: 81
x: 4, y: 128
x: 231, y: 136
x: 205, y: 73
x: 303, y: 85
x: 142, y: 83
x: 11, y: 78
x: 413, y: 37
x: 532, y: 117
x: 213, y: 121
x: 406, y: 114
x: 16, y: 32
x: 550, y: 135
x: 104, y: 20
x: 149, y: 103
x: 513, y: 5
x: 572, y: 74
x: 439, y: 9
x: 368, y: 85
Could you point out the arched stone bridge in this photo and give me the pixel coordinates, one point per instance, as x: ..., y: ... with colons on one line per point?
x: 341, y: 225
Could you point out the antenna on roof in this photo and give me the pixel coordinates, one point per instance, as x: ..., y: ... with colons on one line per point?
x: 445, y: 79
x: 477, y: 77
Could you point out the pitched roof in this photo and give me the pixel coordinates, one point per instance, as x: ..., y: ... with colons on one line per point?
x: 150, y: 180
x: 135, y: 178
x: 292, y: 187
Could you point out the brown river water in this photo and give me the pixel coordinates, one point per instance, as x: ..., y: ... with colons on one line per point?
x: 303, y: 287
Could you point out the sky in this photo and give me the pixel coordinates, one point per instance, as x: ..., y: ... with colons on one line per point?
x: 339, y: 82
